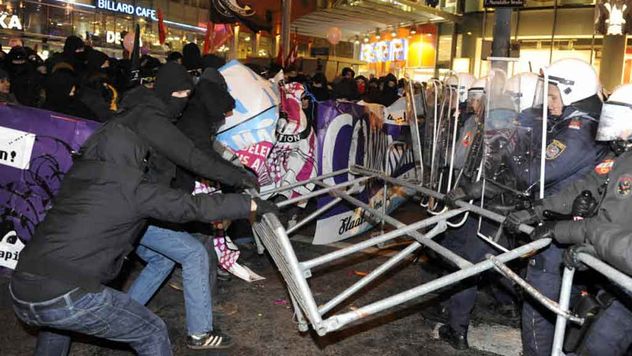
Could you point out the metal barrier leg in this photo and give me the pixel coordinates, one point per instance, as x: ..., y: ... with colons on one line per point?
x: 560, y: 323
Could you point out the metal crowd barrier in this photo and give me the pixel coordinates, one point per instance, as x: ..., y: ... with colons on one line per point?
x: 296, y: 273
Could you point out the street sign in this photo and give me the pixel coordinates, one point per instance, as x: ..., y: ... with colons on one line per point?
x: 503, y: 3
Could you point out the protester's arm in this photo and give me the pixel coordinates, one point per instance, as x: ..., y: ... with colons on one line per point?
x: 169, y: 141
x: 163, y: 203
x: 562, y: 202
x: 613, y: 244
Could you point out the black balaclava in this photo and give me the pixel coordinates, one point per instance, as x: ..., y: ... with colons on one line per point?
x: 215, y: 99
x: 17, y: 60
x: 72, y: 44
x: 58, y: 87
x: 192, y: 57
x: 212, y: 61
x: 174, y: 57
x: 95, y: 59
x: 172, y: 77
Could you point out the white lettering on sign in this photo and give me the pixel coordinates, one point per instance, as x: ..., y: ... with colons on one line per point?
x: 126, y: 9
x: 10, y: 22
x: 16, y: 147
x: 113, y: 37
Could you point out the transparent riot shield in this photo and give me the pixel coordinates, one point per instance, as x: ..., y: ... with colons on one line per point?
x: 440, y: 159
x: 509, y: 139
x: 433, y: 93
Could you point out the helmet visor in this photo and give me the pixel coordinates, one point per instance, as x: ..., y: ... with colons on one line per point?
x: 615, y: 122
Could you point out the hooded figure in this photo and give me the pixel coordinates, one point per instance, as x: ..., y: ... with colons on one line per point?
x: 5, y: 89
x: 345, y: 87
x: 192, y: 57
x: 61, y: 95
x: 75, y: 53
x: 212, y: 61
x: 96, y: 91
x: 175, y: 57
x: 318, y: 88
x: 25, y: 80
x: 204, y: 115
x: 389, y: 92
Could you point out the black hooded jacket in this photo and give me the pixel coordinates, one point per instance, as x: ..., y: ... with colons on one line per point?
x: 202, y: 118
x: 26, y: 82
x: 113, y: 187
x: 59, y: 86
x: 191, y: 57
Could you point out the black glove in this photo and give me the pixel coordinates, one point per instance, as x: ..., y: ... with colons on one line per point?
x: 543, y: 231
x: 584, y: 205
x: 265, y: 207
x: 452, y: 196
x: 247, y: 181
x: 571, y: 258
x: 515, y: 219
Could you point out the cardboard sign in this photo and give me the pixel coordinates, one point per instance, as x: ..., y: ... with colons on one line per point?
x: 16, y: 147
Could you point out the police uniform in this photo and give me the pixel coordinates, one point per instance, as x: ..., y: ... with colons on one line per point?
x: 610, y: 232
x: 571, y: 152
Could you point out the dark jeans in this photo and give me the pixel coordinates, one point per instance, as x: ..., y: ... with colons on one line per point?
x: 108, y: 314
x: 464, y: 242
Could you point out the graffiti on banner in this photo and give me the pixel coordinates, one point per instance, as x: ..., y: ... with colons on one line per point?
x: 348, y: 135
x: 39, y: 146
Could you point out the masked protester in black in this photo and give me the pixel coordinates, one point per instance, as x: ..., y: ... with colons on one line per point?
x: 101, y: 208
x: 389, y: 92
x: 75, y: 53
x: 26, y: 82
x: 204, y: 115
x: 191, y: 57
x: 62, y: 95
x: 96, y: 92
x: 318, y: 88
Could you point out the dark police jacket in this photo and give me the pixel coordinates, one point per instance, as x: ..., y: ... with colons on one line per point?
x: 107, y: 195
x: 610, y: 229
x: 571, y: 150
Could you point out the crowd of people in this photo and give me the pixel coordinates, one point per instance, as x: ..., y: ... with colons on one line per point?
x: 130, y: 190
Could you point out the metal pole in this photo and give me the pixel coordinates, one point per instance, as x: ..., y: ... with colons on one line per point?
x: 332, y: 256
x: 553, y: 31
x: 313, y: 215
x: 305, y: 182
x: 323, y: 191
x: 379, y: 271
x: 614, y: 275
x: 437, y: 248
x: 338, y: 321
x: 286, y: 19
x: 470, y: 207
x: 502, y: 36
x: 548, y: 303
x: 560, y: 323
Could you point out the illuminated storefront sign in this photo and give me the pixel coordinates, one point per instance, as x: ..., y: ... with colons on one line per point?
x: 10, y: 22
x: 384, y: 51
x: 126, y: 9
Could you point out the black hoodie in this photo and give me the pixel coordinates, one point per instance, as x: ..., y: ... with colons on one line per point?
x: 191, y: 57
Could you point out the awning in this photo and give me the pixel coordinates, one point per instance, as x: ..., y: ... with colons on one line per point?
x: 358, y: 17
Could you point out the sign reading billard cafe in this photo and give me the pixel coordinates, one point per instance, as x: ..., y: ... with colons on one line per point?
x: 127, y: 9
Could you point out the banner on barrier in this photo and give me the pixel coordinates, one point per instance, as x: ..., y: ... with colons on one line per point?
x: 38, y: 146
x: 351, y: 134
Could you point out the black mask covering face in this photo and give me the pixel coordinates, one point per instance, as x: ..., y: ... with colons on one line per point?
x: 175, y: 107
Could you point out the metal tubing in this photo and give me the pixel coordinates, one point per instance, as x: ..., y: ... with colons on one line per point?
x: 437, y: 248
x: 323, y: 191
x: 391, y: 262
x: 338, y: 321
x: 548, y: 303
x: 560, y: 323
x: 313, y: 215
x: 332, y: 256
x: 470, y: 207
x: 611, y: 273
x: 305, y: 182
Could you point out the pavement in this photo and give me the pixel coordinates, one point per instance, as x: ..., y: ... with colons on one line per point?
x: 259, y: 316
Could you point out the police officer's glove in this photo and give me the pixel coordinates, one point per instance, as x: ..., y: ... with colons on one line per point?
x: 453, y: 196
x: 571, y: 256
x: 543, y: 231
x: 584, y: 205
x: 514, y: 220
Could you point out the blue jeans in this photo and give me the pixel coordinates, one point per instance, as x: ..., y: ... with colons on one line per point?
x: 162, y: 249
x: 108, y: 314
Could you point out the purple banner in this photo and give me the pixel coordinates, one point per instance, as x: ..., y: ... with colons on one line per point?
x: 36, y: 149
x: 351, y: 134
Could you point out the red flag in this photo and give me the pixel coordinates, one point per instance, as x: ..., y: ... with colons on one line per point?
x: 293, y: 55
x: 162, y: 29
x: 208, y: 37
